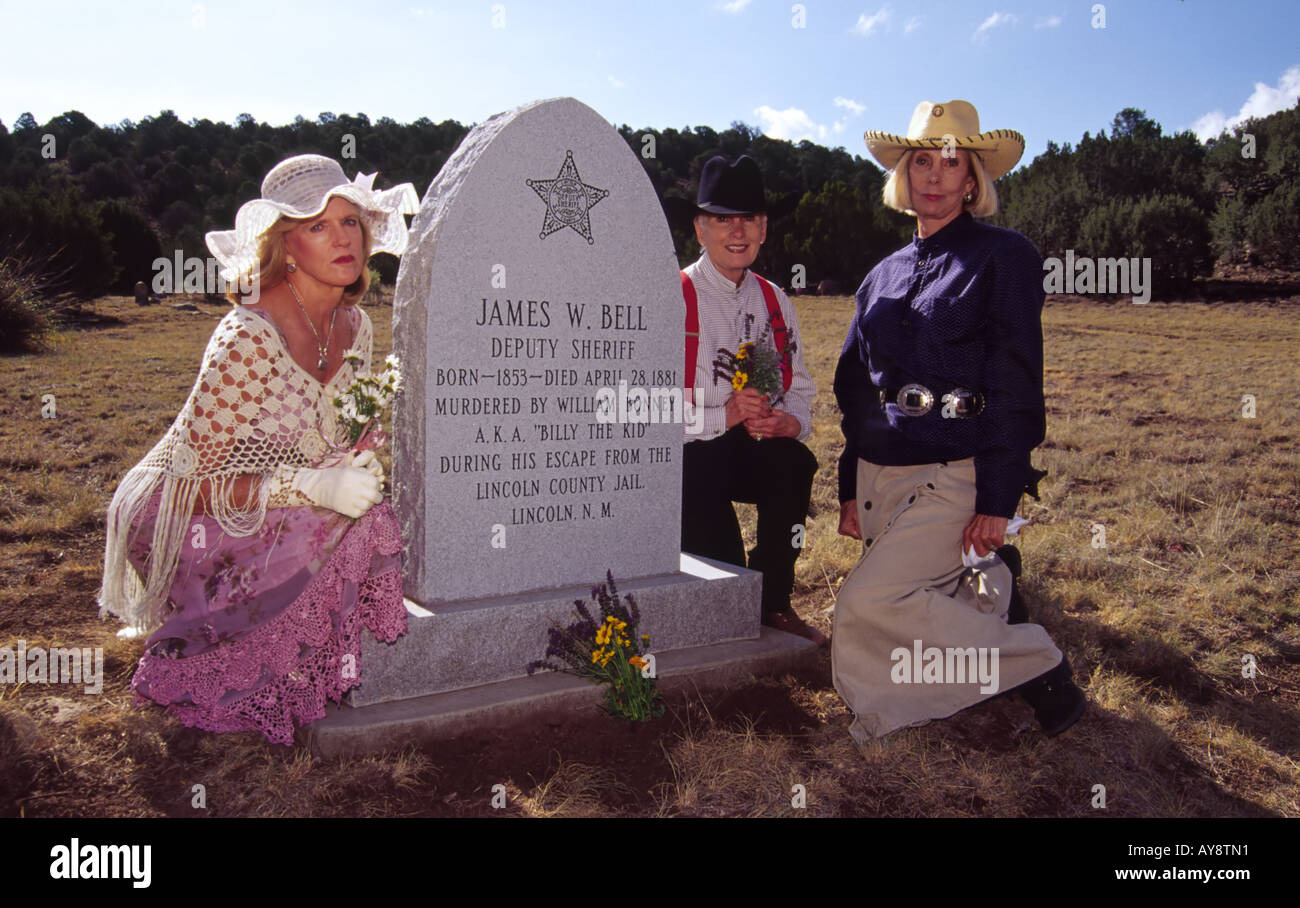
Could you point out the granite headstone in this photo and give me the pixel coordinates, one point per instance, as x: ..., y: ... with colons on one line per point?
x: 538, y: 437
x: 539, y: 293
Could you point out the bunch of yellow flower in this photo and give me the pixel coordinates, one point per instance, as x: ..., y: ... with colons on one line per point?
x: 756, y: 363
x: 740, y: 378
x: 612, y: 631
x: 611, y: 627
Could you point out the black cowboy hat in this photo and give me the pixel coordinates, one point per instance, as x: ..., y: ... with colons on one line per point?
x: 729, y: 188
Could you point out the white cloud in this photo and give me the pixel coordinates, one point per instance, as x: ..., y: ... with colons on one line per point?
x: 792, y: 124
x: 1049, y: 22
x: 912, y: 25
x: 617, y: 83
x: 1264, y: 100
x: 994, y: 21
x: 866, y: 25
x: 735, y: 6
x: 854, y: 108
x: 1210, y: 125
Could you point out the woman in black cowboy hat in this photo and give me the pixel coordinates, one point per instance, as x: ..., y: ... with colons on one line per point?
x: 749, y: 446
x: 941, y: 387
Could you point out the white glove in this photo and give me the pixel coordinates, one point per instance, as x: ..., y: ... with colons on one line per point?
x: 345, y: 488
x: 368, y: 461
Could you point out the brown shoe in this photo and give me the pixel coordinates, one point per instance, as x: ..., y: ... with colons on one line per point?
x: 791, y: 623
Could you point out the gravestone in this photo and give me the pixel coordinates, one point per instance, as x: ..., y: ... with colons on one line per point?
x: 541, y: 271
x: 539, y: 319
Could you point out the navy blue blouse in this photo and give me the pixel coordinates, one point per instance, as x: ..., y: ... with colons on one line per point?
x: 961, y: 308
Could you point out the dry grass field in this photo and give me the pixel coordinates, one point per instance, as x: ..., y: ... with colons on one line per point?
x: 1200, y: 507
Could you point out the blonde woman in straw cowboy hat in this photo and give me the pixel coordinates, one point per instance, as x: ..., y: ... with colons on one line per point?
x: 252, y: 543
x: 941, y: 385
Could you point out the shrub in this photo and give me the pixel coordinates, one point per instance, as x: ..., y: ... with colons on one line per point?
x: 135, y: 244
x: 1174, y: 233
x: 1228, y: 228
x: 1272, y: 228
x: 25, y: 324
x: 65, y: 232
x: 1168, y: 229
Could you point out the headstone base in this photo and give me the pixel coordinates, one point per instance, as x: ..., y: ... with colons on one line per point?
x: 456, y: 645
x: 347, y: 732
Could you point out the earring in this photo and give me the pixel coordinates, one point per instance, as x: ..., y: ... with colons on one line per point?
x: 968, y: 198
x: 291, y: 267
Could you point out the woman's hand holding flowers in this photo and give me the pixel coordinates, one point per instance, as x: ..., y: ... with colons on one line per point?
x: 345, y: 488
x: 367, y: 461
x: 779, y: 424
x: 746, y: 404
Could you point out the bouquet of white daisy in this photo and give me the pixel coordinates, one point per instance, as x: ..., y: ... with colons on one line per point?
x: 363, y: 402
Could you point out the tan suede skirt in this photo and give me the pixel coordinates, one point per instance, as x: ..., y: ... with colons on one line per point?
x: 917, y: 635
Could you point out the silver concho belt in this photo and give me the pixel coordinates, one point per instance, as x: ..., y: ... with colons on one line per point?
x: 918, y: 400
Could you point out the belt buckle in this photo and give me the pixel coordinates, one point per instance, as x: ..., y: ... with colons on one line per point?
x: 915, y: 400
x: 964, y: 403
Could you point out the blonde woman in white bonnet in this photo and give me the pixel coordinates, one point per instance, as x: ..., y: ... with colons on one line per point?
x: 941, y: 385
x: 252, y: 544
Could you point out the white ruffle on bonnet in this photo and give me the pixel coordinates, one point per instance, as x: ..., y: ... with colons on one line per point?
x: 300, y: 187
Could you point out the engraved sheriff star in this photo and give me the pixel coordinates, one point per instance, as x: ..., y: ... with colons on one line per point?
x: 568, y: 200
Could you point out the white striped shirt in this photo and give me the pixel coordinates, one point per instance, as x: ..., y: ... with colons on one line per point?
x: 723, y: 307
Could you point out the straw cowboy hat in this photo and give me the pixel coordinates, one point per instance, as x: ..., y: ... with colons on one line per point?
x: 953, y: 124
x: 301, y: 187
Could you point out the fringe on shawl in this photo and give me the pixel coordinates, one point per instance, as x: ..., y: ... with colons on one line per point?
x: 141, y: 602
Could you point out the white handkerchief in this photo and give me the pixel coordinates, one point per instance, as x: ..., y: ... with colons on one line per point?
x: 970, y: 559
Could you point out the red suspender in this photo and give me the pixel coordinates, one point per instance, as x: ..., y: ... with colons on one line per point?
x: 779, y: 331
x: 692, y: 336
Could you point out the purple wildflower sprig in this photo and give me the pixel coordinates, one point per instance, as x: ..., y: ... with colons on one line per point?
x: 608, y: 650
x: 755, y: 363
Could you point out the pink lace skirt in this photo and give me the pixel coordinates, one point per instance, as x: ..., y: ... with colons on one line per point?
x: 264, y: 628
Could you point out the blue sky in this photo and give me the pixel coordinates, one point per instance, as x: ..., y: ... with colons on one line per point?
x: 1039, y: 67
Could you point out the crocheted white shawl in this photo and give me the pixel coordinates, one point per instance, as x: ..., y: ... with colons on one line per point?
x: 252, y: 409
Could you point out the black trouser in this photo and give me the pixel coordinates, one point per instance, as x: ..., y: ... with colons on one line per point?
x: 775, y: 474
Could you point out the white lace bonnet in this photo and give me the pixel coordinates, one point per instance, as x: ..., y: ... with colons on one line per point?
x: 301, y: 187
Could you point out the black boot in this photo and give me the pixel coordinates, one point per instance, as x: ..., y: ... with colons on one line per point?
x: 1017, y: 612
x: 1057, y: 702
